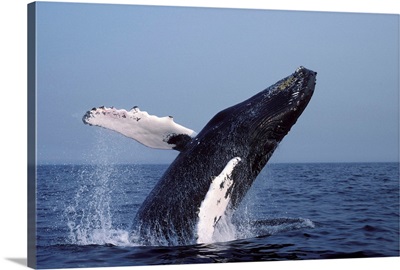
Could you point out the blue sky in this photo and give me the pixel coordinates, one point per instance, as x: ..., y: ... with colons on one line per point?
x: 193, y: 62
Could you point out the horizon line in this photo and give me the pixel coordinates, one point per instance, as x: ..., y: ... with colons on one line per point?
x: 151, y: 163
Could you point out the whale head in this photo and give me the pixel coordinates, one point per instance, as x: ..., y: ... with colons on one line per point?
x: 254, y: 128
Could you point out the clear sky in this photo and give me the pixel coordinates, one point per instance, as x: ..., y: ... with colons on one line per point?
x: 193, y: 62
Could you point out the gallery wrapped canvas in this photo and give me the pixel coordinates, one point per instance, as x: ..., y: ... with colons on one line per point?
x: 174, y: 135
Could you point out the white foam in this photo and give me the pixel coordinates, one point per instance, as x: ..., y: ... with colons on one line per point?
x: 147, y: 129
x: 215, y: 203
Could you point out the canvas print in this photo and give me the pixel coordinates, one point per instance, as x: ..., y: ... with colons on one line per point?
x: 172, y: 135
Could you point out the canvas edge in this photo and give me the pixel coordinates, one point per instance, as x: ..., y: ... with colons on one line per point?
x: 31, y: 92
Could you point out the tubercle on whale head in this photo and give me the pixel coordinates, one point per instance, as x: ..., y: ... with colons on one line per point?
x: 300, y: 83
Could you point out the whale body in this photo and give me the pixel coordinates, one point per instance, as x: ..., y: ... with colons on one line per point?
x: 216, y: 167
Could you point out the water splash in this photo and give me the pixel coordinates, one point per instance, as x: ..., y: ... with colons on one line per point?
x: 89, y: 216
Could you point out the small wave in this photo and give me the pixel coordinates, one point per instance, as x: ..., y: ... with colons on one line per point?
x: 228, y: 230
x: 278, y: 225
x: 273, y: 226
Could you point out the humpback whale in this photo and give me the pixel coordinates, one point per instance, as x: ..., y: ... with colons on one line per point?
x: 216, y: 167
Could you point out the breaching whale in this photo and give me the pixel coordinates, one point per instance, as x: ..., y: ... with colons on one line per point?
x: 216, y: 167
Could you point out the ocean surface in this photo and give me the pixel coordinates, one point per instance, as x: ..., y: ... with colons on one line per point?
x: 292, y: 212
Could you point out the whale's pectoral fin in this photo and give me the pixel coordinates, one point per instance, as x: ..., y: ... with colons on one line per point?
x: 215, y: 204
x: 150, y: 130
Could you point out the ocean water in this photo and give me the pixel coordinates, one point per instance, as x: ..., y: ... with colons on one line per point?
x: 292, y: 212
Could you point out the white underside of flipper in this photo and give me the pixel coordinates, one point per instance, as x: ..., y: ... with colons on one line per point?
x: 215, y: 203
x: 147, y: 129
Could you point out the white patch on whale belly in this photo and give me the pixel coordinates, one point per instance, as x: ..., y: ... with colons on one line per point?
x: 215, y: 203
x: 147, y: 129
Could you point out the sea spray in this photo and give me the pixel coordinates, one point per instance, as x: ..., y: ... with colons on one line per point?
x: 89, y: 215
